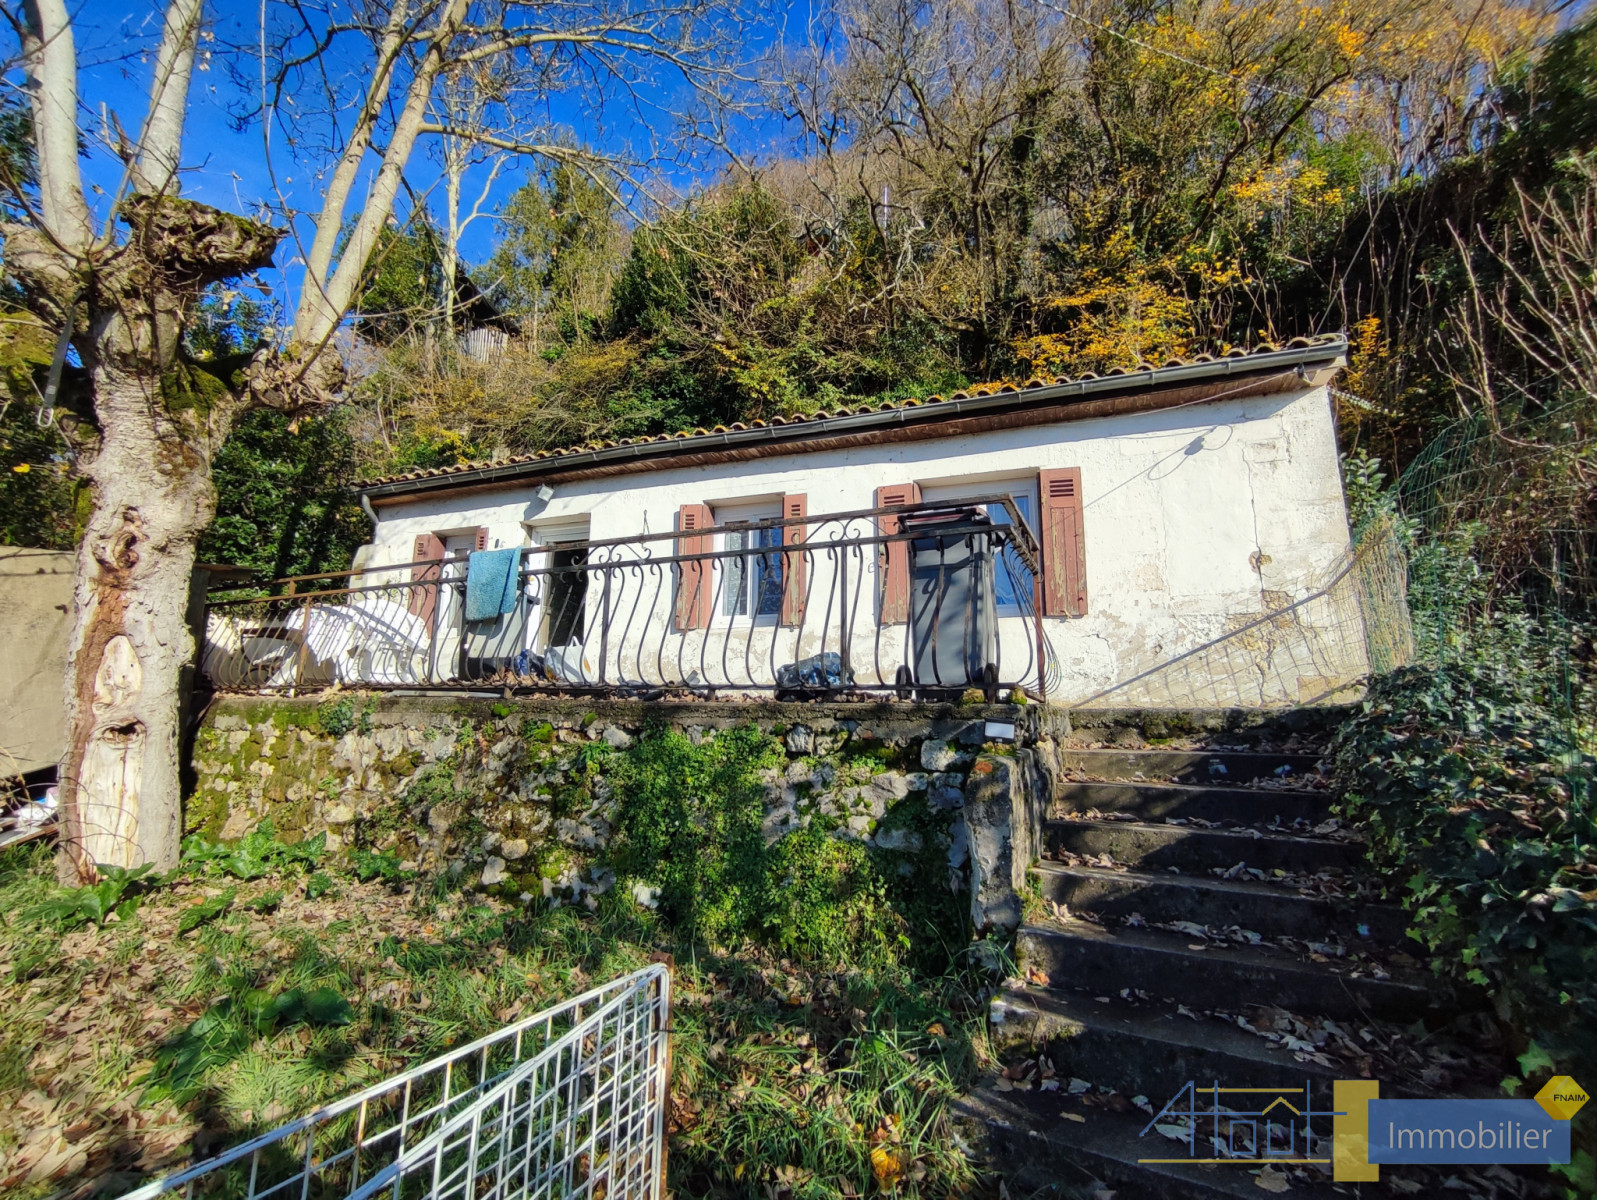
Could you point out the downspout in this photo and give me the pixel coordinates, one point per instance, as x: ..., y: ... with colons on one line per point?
x: 366, y: 506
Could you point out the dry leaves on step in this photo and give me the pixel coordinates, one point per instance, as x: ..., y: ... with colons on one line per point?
x: 1272, y: 1180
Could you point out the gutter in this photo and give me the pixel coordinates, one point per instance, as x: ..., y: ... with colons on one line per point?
x: 1153, y: 379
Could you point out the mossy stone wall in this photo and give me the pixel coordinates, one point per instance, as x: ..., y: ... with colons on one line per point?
x: 515, y: 796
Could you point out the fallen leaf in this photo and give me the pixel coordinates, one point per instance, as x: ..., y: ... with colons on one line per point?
x: 1271, y: 1180
x: 887, y: 1167
x: 1076, y: 1117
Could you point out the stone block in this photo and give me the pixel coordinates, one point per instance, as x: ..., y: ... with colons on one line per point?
x: 617, y: 738
x: 800, y: 739
x: 897, y: 839
x: 938, y: 755
x: 894, y: 783
x: 946, y: 789
x: 493, y: 871
x: 513, y: 849
x: 1003, y: 819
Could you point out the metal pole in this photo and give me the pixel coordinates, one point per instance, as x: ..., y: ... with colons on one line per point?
x: 604, y: 625
x: 843, y: 655
x: 304, y: 645
x: 1042, y: 662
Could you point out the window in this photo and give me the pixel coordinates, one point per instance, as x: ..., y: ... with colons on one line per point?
x: 565, y: 582
x: 1012, y: 582
x: 749, y: 584
x: 752, y: 584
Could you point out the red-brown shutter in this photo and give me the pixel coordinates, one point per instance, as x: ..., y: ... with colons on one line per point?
x: 480, y: 542
x: 894, y: 556
x: 694, y: 579
x: 428, y: 554
x: 1064, y: 546
x: 793, y: 563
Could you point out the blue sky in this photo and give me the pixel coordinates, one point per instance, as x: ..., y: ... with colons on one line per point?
x: 227, y: 166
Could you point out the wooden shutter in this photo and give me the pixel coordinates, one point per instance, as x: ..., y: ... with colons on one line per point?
x: 424, y: 600
x: 894, y: 556
x: 793, y: 574
x: 694, y: 579
x: 1064, y: 546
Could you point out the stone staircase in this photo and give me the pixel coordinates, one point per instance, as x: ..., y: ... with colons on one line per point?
x: 1188, y: 905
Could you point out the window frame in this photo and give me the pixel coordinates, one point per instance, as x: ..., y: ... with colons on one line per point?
x: 741, y: 517
x: 1021, y: 488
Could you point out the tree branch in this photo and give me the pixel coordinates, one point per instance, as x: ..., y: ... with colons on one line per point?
x: 155, y: 172
x: 52, y: 82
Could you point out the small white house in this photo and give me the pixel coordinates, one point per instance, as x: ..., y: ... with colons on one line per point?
x: 1165, y: 506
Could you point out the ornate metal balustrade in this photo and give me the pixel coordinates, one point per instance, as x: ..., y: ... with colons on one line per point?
x: 915, y: 601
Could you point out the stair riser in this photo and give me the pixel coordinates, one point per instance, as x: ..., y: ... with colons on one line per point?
x: 1152, y: 802
x: 1187, y: 849
x: 1048, y: 1167
x: 1212, y: 982
x: 1170, y: 899
x: 1182, y: 766
x: 1135, y: 1065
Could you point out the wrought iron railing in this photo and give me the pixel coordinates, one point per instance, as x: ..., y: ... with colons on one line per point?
x: 915, y: 601
x: 568, y: 1102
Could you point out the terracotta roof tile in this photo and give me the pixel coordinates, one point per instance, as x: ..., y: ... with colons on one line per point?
x: 982, y: 389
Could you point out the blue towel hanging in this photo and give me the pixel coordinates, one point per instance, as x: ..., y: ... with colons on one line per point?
x: 491, y: 583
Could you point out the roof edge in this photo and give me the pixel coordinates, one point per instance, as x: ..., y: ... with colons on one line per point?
x: 1324, y: 351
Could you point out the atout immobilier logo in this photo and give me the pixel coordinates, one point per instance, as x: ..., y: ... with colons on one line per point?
x: 1242, y: 1125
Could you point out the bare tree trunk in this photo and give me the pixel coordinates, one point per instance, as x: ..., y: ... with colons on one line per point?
x: 131, y: 644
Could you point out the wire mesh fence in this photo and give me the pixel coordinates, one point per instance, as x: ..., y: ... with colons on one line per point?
x: 569, y: 1102
x: 1317, y: 648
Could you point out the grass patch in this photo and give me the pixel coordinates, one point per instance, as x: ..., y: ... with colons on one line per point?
x: 129, y: 1049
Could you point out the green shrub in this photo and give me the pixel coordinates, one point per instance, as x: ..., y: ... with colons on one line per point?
x: 336, y: 717
x: 1472, y: 781
x: 116, y: 891
x: 253, y: 856
x: 689, y: 824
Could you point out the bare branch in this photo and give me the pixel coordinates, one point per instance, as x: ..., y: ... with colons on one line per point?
x: 52, y: 69
x: 155, y: 171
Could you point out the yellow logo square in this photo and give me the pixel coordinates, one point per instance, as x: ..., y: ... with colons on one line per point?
x: 1562, y: 1097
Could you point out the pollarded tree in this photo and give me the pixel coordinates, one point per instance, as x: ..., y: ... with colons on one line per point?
x: 127, y: 282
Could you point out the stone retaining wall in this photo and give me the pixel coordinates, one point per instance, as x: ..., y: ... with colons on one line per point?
x: 500, y: 795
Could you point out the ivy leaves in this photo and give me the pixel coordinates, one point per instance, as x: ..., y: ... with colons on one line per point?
x: 1473, y: 783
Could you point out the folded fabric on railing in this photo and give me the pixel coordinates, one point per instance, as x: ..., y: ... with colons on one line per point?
x: 491, y: 583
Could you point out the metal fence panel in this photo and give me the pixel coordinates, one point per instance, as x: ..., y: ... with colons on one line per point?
x: 567, y: 1102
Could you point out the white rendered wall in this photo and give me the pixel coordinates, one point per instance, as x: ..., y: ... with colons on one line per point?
x: 1194, y: 517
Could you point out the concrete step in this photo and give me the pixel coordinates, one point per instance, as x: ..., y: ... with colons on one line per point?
x: 1079, y: 954
x: 1155, y: 801
x: 1269, y: 909
x: 1147, y: 1048
x: 1049, y: 1156
x: 1190, y: 766
x: 1188, y: 848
